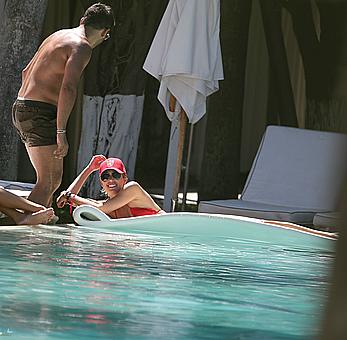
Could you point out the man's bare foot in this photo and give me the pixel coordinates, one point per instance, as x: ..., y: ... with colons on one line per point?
x: 40, y: 217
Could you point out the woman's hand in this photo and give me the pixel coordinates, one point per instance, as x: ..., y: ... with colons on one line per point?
x: 95, y: 162
x: 63, y: 199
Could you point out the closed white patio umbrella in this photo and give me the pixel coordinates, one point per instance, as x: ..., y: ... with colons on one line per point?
x: 185, y: 57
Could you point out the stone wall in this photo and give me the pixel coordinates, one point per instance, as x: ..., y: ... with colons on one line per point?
x: 20, y: 32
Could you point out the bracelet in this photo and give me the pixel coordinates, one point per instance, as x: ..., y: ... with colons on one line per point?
x: 61, y: 131
x: 68, y: 195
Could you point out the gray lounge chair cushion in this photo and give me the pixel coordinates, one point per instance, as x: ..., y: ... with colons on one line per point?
x: 296, y: 173
x: 258, y: 210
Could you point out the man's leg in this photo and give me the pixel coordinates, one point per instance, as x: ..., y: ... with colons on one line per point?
x: 49, y: 172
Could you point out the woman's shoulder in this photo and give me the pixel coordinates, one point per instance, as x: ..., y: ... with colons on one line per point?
x: 133, y: 185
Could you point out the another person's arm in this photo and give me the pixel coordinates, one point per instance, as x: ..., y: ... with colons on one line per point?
x: 12, y: 201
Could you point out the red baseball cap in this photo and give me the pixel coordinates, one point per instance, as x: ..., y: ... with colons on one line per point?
x: 112, y: 164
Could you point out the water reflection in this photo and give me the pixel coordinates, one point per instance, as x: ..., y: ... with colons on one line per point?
x: 82, y: 283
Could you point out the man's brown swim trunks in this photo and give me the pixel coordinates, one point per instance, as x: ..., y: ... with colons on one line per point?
x: 36, y: 122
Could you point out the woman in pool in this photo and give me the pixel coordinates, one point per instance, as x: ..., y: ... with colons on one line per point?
x: 125, y: 199
x: 22, y: 211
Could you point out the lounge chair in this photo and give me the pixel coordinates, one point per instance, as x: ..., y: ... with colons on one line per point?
x: 328, y: 221
x: 296, y: 174
x: 18, y: 188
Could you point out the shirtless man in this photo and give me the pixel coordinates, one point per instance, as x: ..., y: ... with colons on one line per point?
x: 48, y: 92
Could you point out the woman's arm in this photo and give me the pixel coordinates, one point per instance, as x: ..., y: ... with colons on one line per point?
x: 130, y: 193
x: 77, y: 184
x: 76, y: 200
x: 93, y: 165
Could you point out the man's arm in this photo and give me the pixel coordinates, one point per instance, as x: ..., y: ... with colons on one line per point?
x: 74, y: 67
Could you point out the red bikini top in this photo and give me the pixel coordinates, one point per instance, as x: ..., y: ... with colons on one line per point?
x: 143, y: 211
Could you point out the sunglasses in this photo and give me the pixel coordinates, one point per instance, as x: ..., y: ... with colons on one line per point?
x: 105, y: 176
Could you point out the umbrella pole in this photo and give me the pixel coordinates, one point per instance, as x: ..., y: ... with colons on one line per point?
x: 174, y: 161
x: 186, y: 173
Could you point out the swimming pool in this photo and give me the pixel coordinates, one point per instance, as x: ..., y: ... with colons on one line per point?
x: 77, y: 283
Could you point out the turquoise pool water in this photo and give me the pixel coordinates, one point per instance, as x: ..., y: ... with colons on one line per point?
x: 71, y: 283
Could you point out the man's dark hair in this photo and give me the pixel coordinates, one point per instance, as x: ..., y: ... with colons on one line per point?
x: 99, y: 16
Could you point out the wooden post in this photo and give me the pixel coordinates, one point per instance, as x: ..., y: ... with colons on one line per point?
x: 174, y: 161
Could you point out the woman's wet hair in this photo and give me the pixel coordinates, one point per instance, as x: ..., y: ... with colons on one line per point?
x: 103, y: 194
x: 99, y: 16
